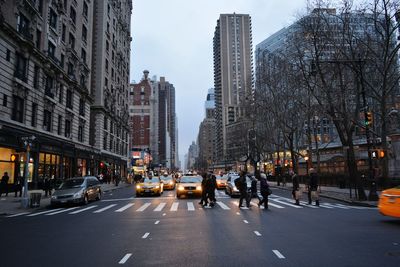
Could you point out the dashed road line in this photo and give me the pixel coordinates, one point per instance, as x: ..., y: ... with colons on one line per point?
x: 257, y: 233
x: 237, y: 213
x: 278, y: 254
x: 245, y: 221
x: 157, y: 222
x: 125, y: 258
x: 145, y: 235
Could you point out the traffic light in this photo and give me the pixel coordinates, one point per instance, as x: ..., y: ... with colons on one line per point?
x: 381, y: 153
x: 374, y: 154
x: 101, y: 165
x: 368, y: 118
x: 13, y: 157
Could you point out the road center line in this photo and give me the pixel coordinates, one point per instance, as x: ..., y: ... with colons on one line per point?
x: 257, y: 233
x: 145, y: 235
x: 157, y: 222
x: 125, y: 258
x: 278, y: 254
x: 245, y: 221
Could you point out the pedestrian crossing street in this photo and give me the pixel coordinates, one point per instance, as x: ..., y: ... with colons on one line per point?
x: 172, y: 205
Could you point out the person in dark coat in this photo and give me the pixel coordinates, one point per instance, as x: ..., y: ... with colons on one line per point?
x: 203, y: 200
x: 296, y: 187
x: 264, y: 190
x: 253, y: 188
x: 4, y: 184
x: 243, y: 190
x: 18, y: 184
x: 211, y: 185
x: 313, y: 186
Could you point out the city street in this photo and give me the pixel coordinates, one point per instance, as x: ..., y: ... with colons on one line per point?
x: 165, y: 231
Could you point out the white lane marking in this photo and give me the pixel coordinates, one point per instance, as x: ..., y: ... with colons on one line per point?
x: 287, y: 204
x: 245, y: 221
x: 334, y: 206
x: 308, y: 205
x: 257, y: 233
x: 160, y: 207
x: 117, y: 199
x: 326, y: 206
x: 352, y: 207
x: 278, y: 254
x: 125, y: 258
x: 61, y: 211
x: 174, y: 206
x: 145, y: 235
x: 143, y: 207
x: 105, y: 208
x: 269, y: 204
x: 18, y: 214
x: 81, y: 210
x: 223, y: 206
x: 43, y: 212
x: 127, y: 206
x: 157, y: 222
x: 237, y: 213
x: 255, y: 205
x: 190, y: 206
x: 164, y: 214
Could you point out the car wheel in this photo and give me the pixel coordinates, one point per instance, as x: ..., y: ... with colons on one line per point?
x: 98, y: 195
x: 137, y: 195
x: 85, y: 200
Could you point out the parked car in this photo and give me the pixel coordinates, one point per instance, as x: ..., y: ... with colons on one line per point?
x: 189, y: 186
x: 389, y: 202
x: 168, y: 182
x: 221, y: 181
x: 77, y: 190
x: 231, y: 188
x: 150, y: 186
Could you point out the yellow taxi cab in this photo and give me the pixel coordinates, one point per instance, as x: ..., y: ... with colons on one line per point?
x: 168, y: 181
x: 389, y: 202
x: 150, y: 186
x: 189, y: 186
x: 221, y: 181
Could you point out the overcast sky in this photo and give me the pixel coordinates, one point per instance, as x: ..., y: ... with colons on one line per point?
x: 174, y: 39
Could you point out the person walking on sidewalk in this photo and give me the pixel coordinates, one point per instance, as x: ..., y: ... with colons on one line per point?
x: 296, y: 188
x: 4, y: 184
x: 313, y: 187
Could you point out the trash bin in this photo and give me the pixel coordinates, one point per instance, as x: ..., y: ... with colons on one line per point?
x: 35, y: 199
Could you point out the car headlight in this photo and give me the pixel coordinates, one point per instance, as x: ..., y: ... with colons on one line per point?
x: 78, y: 194
x: 138, y: 187
x: 53, y: 197
x: 157, y: 186
x: 180, y: 188
x: 170, y: 182
x: 235, y: 188
x: 198, y: 187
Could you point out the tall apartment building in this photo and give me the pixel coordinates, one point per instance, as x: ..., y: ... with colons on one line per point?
x: 45, y: 62
x: 233, y: 73
x: 206, y: 137
x: 109, y: 126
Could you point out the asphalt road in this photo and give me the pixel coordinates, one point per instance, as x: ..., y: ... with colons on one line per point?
x: 164, y: 231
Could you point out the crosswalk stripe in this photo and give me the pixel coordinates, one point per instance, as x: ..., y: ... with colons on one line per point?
x: 43, y: 212
x: 143, y: 207
x: 105, y: 208
x: 335, y: 206
x: 223, y: 206
x: 308, y: 205
x: 174, y: 206
x: 285, y: 203
x: 82, y: 210
x: 125, y: 207
x: 326, y: 206
x: 190, y: 206
x: 61, y: 211
x: 160, y: 207
x: 18, y: 214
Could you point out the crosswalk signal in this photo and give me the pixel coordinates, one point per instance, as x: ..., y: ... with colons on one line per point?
x: 101, y: 165
x: 368, y: 118
x: 381, y: 153
x: 374, y: 154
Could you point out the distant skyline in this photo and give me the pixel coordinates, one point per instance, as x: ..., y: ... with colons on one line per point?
x: 174, y: 39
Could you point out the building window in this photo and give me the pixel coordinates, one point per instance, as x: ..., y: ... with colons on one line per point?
x: 83, y: 81
x: 82, y: 107
x: 36, y: 77
x: 69, y: 99
x: 49, y: 86
x: 62, y: 59
x: 72, y: 15
x: 60, y: 94
x: 59, y: 127
x: 106, y: 82
x: 108, y: 10
x: 105, y: 123
x: 64, y: 30
x: 23, y: 26
x: 107, y: 46
x: 107, y: 65
x: 83, y: 55
x: 67, y: 128
x: 4, y: 100
x: 70, y: 69
x: 53, y: 19
x: 72, y: 41
x: 84, y: 33
x: 38, y: 38
x: 80, y: 133
x: 85, y: 10
x: 47, y: 120
x: 21, y: 64
x: 8, y: 55
x: 34, y: 114
x: 105, y: 141
x: 52, y: 50
x: 18, y: 109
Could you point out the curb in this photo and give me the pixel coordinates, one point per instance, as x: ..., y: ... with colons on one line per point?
x: 351, y: 202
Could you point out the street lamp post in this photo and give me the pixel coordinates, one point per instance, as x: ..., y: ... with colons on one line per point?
x: 28, y: 143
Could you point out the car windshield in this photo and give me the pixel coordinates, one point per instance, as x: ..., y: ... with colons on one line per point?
x: 72, y: 183
x: 166, y: 178
x: 151, y: 180
x: 190, y: 179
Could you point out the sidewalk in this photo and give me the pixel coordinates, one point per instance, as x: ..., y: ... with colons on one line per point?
x: 12, y: 205
x: 340, y: 194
